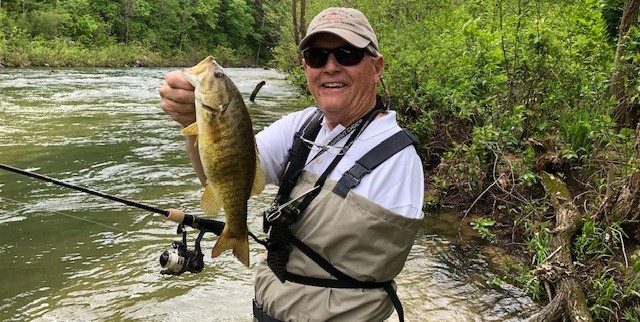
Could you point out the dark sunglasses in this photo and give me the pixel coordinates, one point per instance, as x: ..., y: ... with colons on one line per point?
x: 346, y: 55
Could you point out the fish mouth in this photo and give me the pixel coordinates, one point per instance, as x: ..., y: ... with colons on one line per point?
x: 209, y: 108
x: 217, y: 110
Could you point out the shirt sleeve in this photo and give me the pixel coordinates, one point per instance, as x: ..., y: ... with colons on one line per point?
x: 274, y: 141
x: 398, y: 184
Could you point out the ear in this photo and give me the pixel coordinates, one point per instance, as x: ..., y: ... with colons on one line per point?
x: 378, y: 64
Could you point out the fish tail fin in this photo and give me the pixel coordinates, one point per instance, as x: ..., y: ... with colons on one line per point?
x: 259, y: 181
x: 210, y: 201
x: 239, y: 244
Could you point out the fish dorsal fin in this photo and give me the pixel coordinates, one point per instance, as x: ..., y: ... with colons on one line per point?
x: 259, y: 180
x: 210, y: 201
x: 190, y: 130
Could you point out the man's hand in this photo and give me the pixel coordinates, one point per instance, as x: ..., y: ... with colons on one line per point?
x: 177, y: 98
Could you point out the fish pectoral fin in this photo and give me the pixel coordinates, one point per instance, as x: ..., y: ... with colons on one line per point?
x: 190, y: 130
x: 259, y: 181
x: 210, y: 201
x: 240, y: 246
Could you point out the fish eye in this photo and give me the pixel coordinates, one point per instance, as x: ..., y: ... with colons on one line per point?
x: 218, y: 74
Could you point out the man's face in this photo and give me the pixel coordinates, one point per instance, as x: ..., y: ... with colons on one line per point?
x: 343, y: 92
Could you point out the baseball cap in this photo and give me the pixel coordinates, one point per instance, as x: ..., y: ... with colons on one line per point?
x: 347, y: 23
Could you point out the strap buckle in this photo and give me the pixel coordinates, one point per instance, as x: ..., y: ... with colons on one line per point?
x: 355, y: 174
x: 289, y: 209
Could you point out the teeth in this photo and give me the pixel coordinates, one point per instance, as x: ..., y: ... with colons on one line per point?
x: 334, y: 85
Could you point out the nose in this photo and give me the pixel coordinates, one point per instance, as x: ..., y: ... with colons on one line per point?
x: 332, y: 64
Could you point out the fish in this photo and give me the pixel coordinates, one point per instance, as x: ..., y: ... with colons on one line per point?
x: 228, y: 153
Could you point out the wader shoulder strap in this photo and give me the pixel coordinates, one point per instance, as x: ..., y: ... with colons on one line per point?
x: 373, y: 159
x: 298, y: 154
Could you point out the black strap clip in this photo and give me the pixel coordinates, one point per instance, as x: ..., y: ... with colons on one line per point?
x: 350, y: 179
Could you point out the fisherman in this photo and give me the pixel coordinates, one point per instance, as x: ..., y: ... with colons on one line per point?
x: 334, y: 252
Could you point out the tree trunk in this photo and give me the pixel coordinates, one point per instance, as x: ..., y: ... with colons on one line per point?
x: 626, y: 113
x: 622, y: 205
x: 558, y: 270
x: 303, y: 23
x: 298, y: 23
x: 294, y: 23
x: 625, y: 209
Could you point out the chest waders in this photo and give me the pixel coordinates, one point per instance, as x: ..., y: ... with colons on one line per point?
x: 278, y: 219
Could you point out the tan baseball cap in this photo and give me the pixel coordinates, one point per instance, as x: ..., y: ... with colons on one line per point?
x: 347, y: 23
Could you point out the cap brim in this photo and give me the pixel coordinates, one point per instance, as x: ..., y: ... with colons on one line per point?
x: 348, y: 36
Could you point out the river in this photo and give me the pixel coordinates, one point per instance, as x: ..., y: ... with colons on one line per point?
x: 66, y: 255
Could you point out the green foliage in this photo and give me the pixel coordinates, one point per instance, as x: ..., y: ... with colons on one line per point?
x: 635, y: 261
x: 632, y: 56
x: 596, y: 242
x: 632, y: 314
x: 528, y: 178
x: 611, y: 14
x: 606, y: 288
x: 482, y: 225
x: 4, y: 29
x: 49, y: 24
x: 613, y: 296
x: 531, y: 284
x: 159, y: 32
x: 538, y: 243
x: 610, y: 291
x: 584, y: 129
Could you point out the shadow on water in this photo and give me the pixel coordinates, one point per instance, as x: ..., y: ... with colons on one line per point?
x: 70, y: 256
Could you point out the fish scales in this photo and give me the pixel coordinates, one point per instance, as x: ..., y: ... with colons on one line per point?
x: 227, y: 150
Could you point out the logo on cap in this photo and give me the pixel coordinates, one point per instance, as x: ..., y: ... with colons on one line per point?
x: 332, y: 18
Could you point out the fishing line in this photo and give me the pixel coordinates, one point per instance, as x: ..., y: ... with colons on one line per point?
x: 180, y: 258
x: 175, y: 215
x: 69, y: 215
x: 86, y: 190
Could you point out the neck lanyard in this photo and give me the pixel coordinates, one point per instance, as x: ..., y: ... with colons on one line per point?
x: 299, y: 152
x: 366, y: 120
x: 334, y: 141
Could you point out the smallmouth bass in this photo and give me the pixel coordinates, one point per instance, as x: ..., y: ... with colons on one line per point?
x: 228, y: 154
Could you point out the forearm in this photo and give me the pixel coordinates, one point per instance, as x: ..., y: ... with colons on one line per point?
x: 194, y: 155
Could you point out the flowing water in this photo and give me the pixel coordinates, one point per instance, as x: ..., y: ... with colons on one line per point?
x: 66, y: 255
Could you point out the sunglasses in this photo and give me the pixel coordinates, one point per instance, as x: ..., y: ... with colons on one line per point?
x: 346, y: 55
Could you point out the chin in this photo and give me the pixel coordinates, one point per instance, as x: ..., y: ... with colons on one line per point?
x: 330, y: 104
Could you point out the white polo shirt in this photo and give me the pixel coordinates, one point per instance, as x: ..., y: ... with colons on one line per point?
x: 397, y: 184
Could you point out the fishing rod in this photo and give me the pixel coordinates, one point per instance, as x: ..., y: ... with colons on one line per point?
x: 177, y: 261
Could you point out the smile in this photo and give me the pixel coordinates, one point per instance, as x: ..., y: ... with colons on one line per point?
x: 334, y: 85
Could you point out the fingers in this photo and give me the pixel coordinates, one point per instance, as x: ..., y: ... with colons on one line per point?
x: 177, y: 98
x: 183, y: 113
x: 176, y: 94
x: 175, y: 79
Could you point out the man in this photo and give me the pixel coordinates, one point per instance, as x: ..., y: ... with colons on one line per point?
x: 352, y: 233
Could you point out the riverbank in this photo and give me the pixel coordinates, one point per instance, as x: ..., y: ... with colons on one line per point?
x: 59, y: 53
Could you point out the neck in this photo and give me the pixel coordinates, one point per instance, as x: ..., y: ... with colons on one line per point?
x: 352, y: 116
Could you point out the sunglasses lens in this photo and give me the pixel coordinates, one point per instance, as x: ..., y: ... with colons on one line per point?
x: 316, y: 57
x: 345, y: 56
x: 348, y: 55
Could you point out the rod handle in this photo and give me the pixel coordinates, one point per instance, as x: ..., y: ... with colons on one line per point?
x: 175, y: 215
